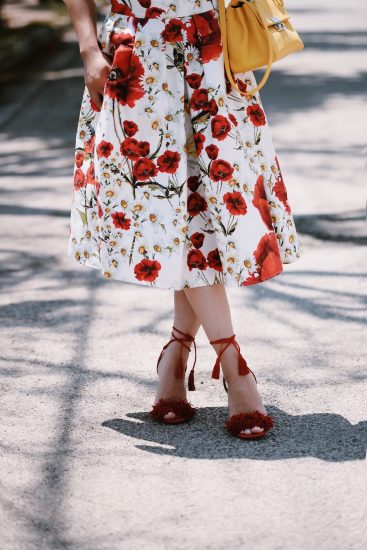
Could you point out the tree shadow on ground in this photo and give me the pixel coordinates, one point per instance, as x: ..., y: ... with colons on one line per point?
x: 334, y: 40
x: 19, y: 210
x: 40, y: 313
x: 324, y: 305
x: 288, y: 93
x: 343, y: 227
x: 325, y: 436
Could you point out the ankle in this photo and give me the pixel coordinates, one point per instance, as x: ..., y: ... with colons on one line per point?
x: 180, y: 334
x: 174, y: 353
x: 184, y: 347
x: 229, y: 364
x: 228, y: 356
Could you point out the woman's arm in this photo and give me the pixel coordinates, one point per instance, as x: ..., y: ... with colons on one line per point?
x: 96, y: 64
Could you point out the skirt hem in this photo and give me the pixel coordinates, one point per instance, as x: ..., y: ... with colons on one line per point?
x: 226, y: 282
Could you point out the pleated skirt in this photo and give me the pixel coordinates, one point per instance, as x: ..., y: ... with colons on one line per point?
x: 176, y: 180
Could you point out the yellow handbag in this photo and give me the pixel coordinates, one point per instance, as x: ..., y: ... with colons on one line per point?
x: 255, y: 33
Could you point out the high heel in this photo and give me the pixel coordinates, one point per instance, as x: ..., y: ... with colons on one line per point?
x: 238, y: 423
x: 183, y: 410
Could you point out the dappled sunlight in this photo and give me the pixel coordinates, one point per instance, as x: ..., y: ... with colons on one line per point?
x: 86, y: 468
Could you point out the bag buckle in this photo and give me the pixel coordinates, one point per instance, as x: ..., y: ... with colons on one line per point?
x: 278, y: 24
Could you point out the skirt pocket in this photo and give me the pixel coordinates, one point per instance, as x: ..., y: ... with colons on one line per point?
x: 119, y: 48
x: 119, y: 42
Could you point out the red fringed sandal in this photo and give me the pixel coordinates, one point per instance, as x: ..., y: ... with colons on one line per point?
x: 237, y: 423
x: 183, y: 410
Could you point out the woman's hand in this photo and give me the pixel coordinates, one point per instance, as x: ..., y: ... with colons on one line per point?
x: 96, y: 69
x: 96, y: 64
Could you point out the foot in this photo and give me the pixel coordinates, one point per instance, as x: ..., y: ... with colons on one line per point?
x: 170, y: 387
x: 243, y: 396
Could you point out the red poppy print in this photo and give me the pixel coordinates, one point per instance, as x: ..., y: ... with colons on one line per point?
x: 220, y: 170
x: 129, y: 148
x: 94, y: 107
x: 145, y: 3
x: 119, y: 6
x: 144, y: 169
x: 212, y: 151
x: 199, y: 139
x: 197, y: 239
x: 212, y: 107
x: 153, y: 13
x: 104, y: 149
x: 173, y: 31
x: 120, y: 220
x: 280, y: 189
x: 194, y: 80
x: 133, y: 149
x: 214, y: 260
x: 144, y: 148
x: 220, y: 127
x: 208, y: 29
x: 196, y: 204
x: 193, y: 183
x: 241, y: 85
x: 147, y: 270
x: 281, y: 192
x: 233, y: 119
x: 124, y: 80
x: 79, y: 158
x: 130, y: 127
x: 79, y: 179
x: 123, y: 43
x: 261, y: 202
x: 199, y: 101
x: 196, y: 259
x: 89, y: 146
x: 235, y: 203
x: 192, y: 34
x: 168, y: 162
x: 90, y: 175
x: 267, y: 258
x: 256, y: 114
x: 120, y: 38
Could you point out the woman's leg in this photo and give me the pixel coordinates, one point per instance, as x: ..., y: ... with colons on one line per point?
x: 211, y: 306
x: 185, y: 319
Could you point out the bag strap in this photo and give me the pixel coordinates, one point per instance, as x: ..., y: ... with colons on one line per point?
x: 223, y: 27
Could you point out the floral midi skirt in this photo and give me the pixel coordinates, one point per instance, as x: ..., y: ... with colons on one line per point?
x: 176, y: 180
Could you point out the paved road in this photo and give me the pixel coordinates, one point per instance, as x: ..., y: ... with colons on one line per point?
x: 81, y: 465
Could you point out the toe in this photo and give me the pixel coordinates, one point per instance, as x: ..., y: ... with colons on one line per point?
x: 170, y: 416
x: 257, y: 429
x: 247, y: 431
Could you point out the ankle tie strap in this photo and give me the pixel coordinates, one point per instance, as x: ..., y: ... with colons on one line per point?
x: 180, y: 367
x: 242, y: 365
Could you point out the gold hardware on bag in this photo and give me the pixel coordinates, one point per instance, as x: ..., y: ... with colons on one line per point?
x: 255, y: 34
x: 278, y: 24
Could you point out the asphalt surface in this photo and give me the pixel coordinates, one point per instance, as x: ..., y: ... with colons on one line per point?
x: 81, y: 465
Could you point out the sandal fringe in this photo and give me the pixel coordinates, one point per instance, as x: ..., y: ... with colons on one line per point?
x: 242, y: 421
x: 181, y: 408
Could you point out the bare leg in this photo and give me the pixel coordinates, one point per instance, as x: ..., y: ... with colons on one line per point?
x: 185, y: 319
x: 211, y: 306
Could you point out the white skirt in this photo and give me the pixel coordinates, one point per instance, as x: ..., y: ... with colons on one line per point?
x: 176, y: 180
